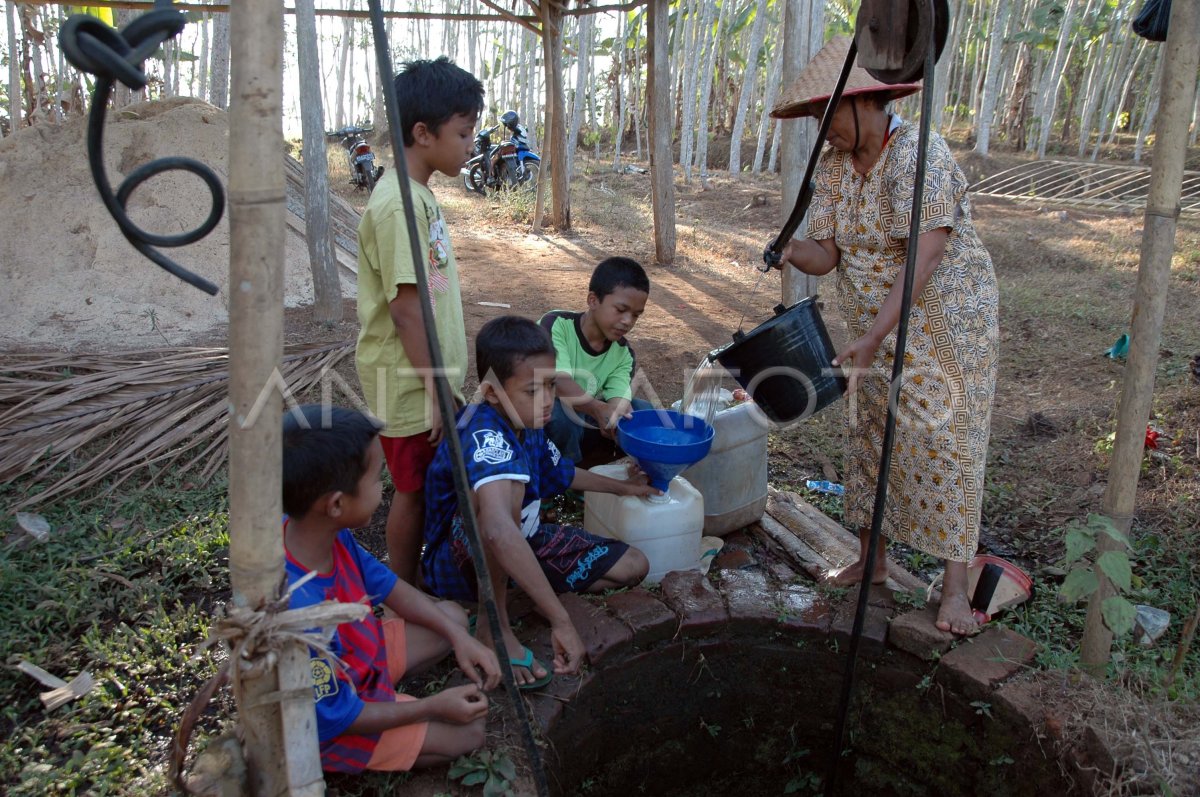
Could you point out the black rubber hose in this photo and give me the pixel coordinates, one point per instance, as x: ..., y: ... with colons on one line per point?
x: 889, y: 428
x: 487, y: 598
x: 94, y: 47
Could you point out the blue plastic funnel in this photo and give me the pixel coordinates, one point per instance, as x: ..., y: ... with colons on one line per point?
x: 664, y: 442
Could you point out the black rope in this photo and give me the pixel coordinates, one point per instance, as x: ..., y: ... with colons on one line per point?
x: 772, y: 255
x: 889, y: 428
x: 487, y: 597
x: 93, y: 47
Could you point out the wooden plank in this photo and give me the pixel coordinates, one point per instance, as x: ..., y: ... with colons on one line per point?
x: 780, y: 537
x: 829, y: 538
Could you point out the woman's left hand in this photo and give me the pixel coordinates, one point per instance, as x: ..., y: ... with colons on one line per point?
x: 861, y: 355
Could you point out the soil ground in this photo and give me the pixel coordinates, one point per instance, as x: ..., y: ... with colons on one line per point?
x: 1067, y: 285
x: 1067, y: 282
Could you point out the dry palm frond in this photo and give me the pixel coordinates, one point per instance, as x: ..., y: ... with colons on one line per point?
x: 69, y: 421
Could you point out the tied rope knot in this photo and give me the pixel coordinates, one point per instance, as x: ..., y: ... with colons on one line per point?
x: 255, y: 637
x: 111, y: 55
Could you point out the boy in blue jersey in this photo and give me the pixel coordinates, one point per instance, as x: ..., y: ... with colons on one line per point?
x: 511, y: 467
x: 331, y: 483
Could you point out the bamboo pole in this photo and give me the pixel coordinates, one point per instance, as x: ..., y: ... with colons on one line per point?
x: 275, y: 705
x: 662, y: 172
x: 1181, y: 59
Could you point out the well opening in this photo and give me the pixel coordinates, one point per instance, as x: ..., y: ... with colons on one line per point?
x: 752, y: 713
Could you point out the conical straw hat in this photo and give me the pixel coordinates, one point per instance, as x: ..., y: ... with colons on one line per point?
x: 818, y: 80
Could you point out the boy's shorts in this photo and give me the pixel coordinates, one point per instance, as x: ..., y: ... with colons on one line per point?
x: 572, y: 559
x: 398, y: 748
x: 408, y: 459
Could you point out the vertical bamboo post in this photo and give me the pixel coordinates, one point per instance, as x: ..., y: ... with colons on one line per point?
x: 1149, y: 305
x: 280, y: 759
x: 662, y: 172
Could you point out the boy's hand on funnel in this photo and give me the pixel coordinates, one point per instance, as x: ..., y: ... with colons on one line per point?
x: 637, y: 482
x: 568, y: 648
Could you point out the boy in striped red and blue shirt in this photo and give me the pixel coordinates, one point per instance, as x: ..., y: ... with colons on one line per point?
x: 332, y: 460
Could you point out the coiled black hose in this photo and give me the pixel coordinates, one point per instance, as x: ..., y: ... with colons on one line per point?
x: 93, y: 47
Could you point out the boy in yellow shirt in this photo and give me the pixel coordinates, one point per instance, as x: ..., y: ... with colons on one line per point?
x: 439, y: 105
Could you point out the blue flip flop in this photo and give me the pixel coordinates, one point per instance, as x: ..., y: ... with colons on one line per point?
x: 527, y: 661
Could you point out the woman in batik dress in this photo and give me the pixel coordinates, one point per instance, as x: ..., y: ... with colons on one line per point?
x: 858, y: 227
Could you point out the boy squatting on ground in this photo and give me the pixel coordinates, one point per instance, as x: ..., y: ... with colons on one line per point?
x: 511, y: 467
x: 439, y: 104
x: 331, y: 483
x: 595, y: 362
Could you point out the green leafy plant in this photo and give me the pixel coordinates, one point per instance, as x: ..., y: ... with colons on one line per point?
x: 495, y: 771
x: 1081, y: 541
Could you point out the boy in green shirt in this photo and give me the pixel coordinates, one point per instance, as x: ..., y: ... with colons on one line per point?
x: 595, y: 363
x: 439, y: 105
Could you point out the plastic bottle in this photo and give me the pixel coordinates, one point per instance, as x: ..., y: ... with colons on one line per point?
x: 733, y: 477
x: 667, y: 529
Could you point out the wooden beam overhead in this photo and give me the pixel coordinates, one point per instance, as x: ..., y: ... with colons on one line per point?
x: 223, y: 8
x: 524, y: 21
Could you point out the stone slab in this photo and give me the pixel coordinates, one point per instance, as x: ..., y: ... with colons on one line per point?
x: 695, y: 601
x: 980, y: 664
x: 648, y: 617
x: 802, y: 608
x: 600, y: 633
x: 748, y: 596
x: 914, y: 632
x: 875, y: 627
x: 733, y: 558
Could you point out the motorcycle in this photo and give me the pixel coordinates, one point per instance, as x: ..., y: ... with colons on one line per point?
x: 501, y: 166
x: 361, y: 160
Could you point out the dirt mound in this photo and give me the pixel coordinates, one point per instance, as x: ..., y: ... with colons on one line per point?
x: 71, y: 280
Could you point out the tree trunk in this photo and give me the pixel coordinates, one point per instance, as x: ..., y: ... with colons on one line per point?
x: 758, y: 33
x: 942, y: 70
x: 687, y: 97
x: 15, y: 107
x: 799, y: 18
x: 1154, y: 271
x: 659, y: 100
x: 583, y: 42
x: 218, y: 90
x: 988, y: 103
x: 275, y: 705
x: 202, y: 63
x: 556, y: 116
x: 1111, y: 94
x: 1097, y: 78
x: 765, y: 121
x: 713, y: 37
x: 622, y: 97
x: 1054, y: 75
x: 327, y: 288
x: 1152, y: 100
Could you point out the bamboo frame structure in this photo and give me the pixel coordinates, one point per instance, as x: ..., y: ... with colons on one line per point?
x: 1086, y: 185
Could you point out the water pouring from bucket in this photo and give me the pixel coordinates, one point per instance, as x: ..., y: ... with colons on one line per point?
x: 665, y: 443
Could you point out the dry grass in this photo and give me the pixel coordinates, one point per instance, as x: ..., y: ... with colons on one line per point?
x: 1135, y: 742
x: 69, y: 422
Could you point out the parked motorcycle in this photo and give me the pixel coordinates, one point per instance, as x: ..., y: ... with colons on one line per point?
x: 361, y: 160
x: 504, y: 165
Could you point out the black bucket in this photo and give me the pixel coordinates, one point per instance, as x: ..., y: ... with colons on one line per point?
x: 784, y: 363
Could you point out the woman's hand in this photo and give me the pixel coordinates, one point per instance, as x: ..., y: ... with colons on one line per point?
x: 861, y: 355
x: 811, y: 257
